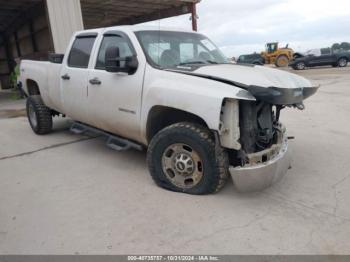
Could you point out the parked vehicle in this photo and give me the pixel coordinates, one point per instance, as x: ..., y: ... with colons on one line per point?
x: 276, y: 55
x: 315, y: 57
x: 254, y: 59
x: 174, y: 92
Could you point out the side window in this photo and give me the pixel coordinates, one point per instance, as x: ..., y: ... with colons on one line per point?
x: 326, y: 51
x: 79, y: 55
x: 112, y: 40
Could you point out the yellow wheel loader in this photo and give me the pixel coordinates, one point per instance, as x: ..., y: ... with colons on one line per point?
x: 278, y: 56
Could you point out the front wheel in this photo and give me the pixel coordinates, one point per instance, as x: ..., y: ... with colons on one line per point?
x: 282, y: 61
x: 39, y: 115
x: 342, y: 62
x: 185, y: 158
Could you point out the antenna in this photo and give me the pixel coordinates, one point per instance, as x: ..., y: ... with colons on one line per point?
x: 159, y: 17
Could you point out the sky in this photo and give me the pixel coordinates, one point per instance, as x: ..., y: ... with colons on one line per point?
x: 243, y: 27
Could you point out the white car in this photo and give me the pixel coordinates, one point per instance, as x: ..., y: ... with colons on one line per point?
x: 201, y: 117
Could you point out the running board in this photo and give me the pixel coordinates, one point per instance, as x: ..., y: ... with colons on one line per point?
x: 113, y: 142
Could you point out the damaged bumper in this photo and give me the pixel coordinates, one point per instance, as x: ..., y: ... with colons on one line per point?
x: 264, y: 168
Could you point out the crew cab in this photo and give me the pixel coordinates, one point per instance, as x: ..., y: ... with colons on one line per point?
x: 175, y: 93
x: 316, y: 57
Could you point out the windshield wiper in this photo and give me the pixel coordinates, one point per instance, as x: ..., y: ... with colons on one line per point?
x: 212, y: 62
x: 192, y: 63
x: 199, y: 62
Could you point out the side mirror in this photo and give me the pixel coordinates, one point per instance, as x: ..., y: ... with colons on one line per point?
x: 115, y: 64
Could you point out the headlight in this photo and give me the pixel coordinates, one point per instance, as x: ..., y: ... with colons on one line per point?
x: 281, y: 96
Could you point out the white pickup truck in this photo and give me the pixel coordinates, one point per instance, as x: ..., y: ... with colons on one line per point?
x: 201, y: 117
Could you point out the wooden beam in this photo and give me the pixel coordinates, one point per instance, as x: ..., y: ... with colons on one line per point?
x: 18, y: 48
x: 194, y: 17
x: 32, y: 36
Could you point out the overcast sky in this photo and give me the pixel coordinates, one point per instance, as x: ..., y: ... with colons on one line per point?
x: 239, y: 27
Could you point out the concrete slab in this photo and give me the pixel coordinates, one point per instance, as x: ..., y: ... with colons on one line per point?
x: 17, y: 138
x: 81, y: 197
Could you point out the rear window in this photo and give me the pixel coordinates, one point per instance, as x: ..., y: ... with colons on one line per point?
x: 80, y: 53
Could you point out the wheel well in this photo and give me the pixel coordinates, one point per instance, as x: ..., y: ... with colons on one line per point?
x: 343, y: 57
x: 161, y: 117
x: 33, y: 88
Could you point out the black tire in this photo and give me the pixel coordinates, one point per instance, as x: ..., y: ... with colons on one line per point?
x: 282, y: 61
x: 39, y: 115
x: 342, y: 62
x: 201, y: 140
x: 300, y: 66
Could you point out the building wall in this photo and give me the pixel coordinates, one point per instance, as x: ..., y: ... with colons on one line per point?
x: 42, y: 38
x: 65, y: 19
x: 52, y: 29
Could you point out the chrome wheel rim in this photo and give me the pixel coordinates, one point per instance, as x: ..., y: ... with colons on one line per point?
x: 301, y: 66
x: 182, y: 166
x: 32, y: 116
x: 342, y: 62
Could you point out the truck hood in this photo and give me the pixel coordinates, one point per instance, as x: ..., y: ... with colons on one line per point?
x: 265, y: 84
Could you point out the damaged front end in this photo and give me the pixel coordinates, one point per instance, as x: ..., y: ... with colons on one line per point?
x: 250, y: 129
x: 264, y: 156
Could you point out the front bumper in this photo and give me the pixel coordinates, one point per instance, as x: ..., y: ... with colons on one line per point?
x: 260, y: 175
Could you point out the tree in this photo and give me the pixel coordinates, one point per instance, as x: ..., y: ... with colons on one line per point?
x: 345, y: 46
x: 336, y: 46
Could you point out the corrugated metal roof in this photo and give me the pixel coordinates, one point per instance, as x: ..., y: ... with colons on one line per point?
x: 10, y: 11
x: 97, y: 13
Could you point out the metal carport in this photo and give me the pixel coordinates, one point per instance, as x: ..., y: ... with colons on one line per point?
x: 33, y: 28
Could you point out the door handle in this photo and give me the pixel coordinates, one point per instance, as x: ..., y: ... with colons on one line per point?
x: 65, y: 77
x: 95, y: 81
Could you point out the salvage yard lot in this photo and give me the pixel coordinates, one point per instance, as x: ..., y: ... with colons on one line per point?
x: 69, y: 194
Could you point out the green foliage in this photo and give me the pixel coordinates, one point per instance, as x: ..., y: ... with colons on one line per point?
x: 14, y: 76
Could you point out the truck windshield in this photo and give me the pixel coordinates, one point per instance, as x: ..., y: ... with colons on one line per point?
x: 168, y: 49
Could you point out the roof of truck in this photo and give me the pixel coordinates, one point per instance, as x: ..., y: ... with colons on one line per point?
x: 135, y: 28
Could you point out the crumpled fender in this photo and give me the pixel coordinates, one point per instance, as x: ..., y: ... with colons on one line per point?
x: 195, y: 95
x: 270, y: 85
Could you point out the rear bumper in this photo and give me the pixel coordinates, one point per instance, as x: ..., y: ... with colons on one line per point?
x: 257, y: 177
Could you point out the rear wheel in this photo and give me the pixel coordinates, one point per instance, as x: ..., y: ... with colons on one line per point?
x: 282, y: 61
x: 185, y: 158
x: 39, y: 115
x: 342, y: 62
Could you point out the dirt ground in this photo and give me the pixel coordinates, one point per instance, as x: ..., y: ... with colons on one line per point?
x: 68, y: 194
